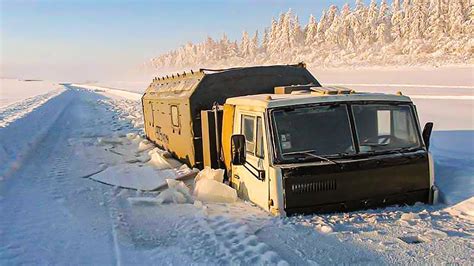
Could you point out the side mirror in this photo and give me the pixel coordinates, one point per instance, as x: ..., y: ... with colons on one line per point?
x: 427, y: 134
x: 238, y: 149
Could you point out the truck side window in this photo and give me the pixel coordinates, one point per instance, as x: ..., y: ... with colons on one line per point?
x: 248, y: 130
x: 259, y: 151
x: 175, y: 115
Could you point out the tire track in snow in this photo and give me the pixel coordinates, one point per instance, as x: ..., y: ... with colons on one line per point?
x: 44, y: 219
x: 230, y: 242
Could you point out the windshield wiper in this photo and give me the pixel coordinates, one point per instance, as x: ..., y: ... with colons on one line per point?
x: 374, y: 144
x: 311, y: 154
x: 408, y: 149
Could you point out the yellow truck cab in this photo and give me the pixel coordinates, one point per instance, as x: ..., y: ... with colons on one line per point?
x: 316, y: 149
x: 290, y: 145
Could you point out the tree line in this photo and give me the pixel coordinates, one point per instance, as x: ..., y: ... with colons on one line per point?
x: 403, y: 32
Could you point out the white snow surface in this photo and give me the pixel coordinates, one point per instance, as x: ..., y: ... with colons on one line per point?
x: 16, y: 90
x: 19, y: 97
x: 52, y: 212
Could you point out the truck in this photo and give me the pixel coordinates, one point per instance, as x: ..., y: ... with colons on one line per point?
x: 290, y: 145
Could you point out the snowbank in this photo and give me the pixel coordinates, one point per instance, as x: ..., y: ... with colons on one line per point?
x: 111, y: 92
x: 15, y: 90
x: 463, y: 209
x: 209, y: 187
x: 19, y: 137
x: 21, y: 108
x: 453, y: 152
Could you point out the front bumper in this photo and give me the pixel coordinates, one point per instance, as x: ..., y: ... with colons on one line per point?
x: 408, y: 198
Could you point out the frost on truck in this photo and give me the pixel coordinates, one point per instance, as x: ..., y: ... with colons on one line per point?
x: 290, y: 145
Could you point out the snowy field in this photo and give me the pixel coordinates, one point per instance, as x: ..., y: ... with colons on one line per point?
x: 20, y: 97
x: 14, y: 90
x: 56, y: 208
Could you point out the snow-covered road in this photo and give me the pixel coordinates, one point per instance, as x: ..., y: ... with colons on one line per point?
x: 51, y: 213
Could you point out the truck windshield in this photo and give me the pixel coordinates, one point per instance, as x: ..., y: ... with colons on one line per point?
x: 383, y: 127
x: 304, y: 132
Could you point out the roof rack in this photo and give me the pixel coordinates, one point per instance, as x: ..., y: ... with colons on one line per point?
x: 300, y: 64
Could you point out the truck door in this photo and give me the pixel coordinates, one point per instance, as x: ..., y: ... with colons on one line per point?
x: 251, y: 185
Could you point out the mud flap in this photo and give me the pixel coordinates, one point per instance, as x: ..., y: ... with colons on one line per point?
x: 434, y: 195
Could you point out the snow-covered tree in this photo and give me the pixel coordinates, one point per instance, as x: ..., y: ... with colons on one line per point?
x: 311, y: 31
x: 253, y: 46
x: 296, y: 34
x: 322, y: 26
x: 265, y: 41
x: 408, y: 31
x: 244, y: 46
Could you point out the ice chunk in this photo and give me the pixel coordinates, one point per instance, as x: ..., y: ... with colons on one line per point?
x: 177, y: 192
x: 158, y: 159
x: 105, y: 141
x: 212, y: 174
x: 134, y: 176
x: 131, y: 136
x: 324, y: 228
x: 409, y: 216
x: 198, y: 204
x: 213, y: 191
x: 180, y: 187
x: 145, y: 145
x: 171, y: 195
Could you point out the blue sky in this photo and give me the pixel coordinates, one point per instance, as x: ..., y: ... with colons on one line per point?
x: 86, y: 39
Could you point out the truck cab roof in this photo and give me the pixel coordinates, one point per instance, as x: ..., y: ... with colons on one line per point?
x: 309, y: 97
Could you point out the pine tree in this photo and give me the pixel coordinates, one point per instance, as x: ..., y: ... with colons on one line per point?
x: 372, y: 21
x: 358, y: 23
x: 311, y: 31
x: 421, y: 28
x: 285, y: 41
x: 265, y: 41
x: 253, y: 45
x: 321, y: 35
x: 296, y: 34
x: 417, y: 18
x: 456, y: 17
x: 244, y: 46
x: 436, y: 20
x: 384, y: 29
x: 397, y: 20
x: 273, y: 39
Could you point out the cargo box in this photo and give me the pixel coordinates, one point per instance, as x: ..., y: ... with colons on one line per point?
x: 172, y: 105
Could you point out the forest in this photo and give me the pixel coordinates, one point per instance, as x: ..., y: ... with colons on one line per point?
x: 409, y: 32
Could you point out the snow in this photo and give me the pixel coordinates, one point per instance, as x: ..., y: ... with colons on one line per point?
x: 211, y: 174
x: 464, y: 209
x: 162, y: 160
x: 53, y: 212
x: 128, y: 160
x: 209, y: 190
x: 18, y: 98
x: 135, y: 177
x: 121, y: 93
x: 415, y: 33
x: 14, y: 90
x: 209, y: 186
x: 19, y: 137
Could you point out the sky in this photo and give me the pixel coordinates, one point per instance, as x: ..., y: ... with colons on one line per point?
x: 72, y: 40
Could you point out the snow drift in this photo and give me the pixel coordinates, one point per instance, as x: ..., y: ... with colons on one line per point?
x: 209, y: 187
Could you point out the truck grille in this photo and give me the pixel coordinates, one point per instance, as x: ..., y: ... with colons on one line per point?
x: 315, y: 186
